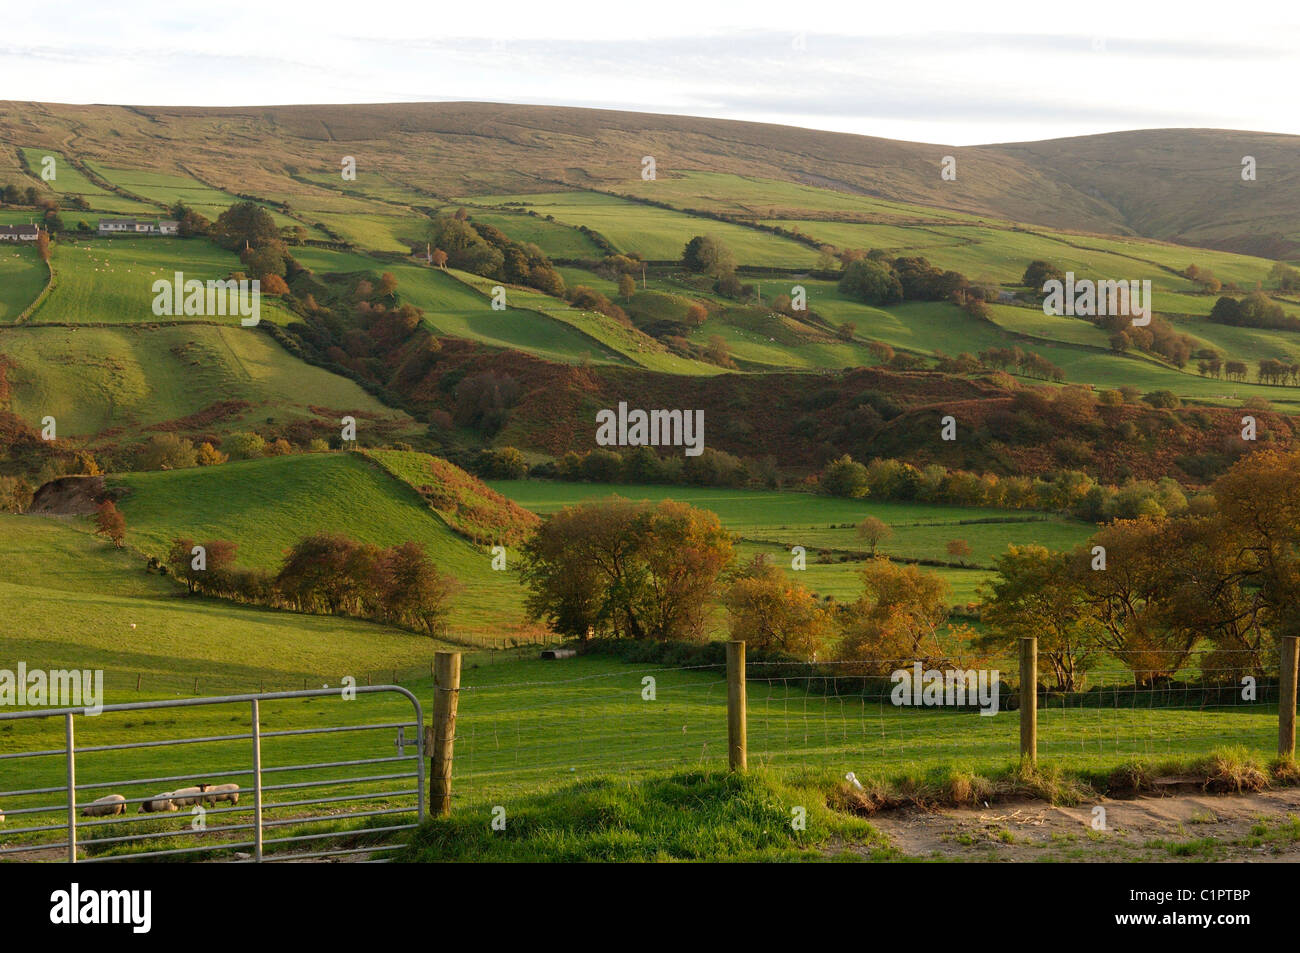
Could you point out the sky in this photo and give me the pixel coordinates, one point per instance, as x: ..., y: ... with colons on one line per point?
x: 929, y: 71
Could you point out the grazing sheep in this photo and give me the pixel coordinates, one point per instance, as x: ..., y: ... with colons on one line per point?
x: 186, y: 797
x: 110, y: 805
x: 157, y: 804
x: 221, y: 792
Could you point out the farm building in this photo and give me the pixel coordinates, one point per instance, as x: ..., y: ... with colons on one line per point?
x: 132, y: 226
x: 19, y: 233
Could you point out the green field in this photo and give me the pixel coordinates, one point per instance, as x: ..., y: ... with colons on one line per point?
x: 22, y: 277
x: 94, y: 379
x: 69, y: 180
x: 657, y: 234
x: 265, y: 506
x: 761, y: 197
x: 71, y: 599
x: 773, y: 522
x: 633, y: 345
x: 556, y: 240
x: 110, y: 281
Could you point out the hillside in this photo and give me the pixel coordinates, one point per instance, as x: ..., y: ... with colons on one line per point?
x: 1165, y: 184
x: 74, y: 601
x: 267, y: 505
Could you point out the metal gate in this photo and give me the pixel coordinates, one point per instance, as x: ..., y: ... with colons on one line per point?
x: 244, y: 821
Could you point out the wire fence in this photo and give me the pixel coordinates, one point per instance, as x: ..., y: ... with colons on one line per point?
x: 518, y: 738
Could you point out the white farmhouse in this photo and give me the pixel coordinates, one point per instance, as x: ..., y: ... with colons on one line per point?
x: 19, y: 233
x: 132, y: 226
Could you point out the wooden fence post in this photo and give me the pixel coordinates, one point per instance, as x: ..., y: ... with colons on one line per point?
x: 442, y: 734
x: 1029, y: 698
x: 736, y: 730
x: 1286, y: 698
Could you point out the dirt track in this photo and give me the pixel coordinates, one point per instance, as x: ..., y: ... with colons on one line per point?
x: 1179, y: 828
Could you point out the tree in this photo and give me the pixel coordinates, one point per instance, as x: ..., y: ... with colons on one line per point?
x: 845, y: 477
x: 208, y: 455
x: 1039, y: 273
x: 43, y: 244
x: 246, y: 223
x: 770, y: 612
x: 439, y: 258
x: 881, y: 351
x: 1036, y: 594
x: 625, y: 569
x: 626, y: 287
x: 717, y: 352
x: 110, y: 522
x: 874, y: 531
x: 167, y: 451
x: 273, y: 284
x: 696, y: 315
x: 329, y: 573
x: 846, y: 331
x: 958, y: 548
x: 872, y: 282
x: 411, y: 590
x: 1125, y: 598
x: 900, y: 610
x: 1259, y: 502
x: 706, y: 254
x: 244, y: 446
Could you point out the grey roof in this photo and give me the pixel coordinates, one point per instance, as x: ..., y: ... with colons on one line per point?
x: 19, y: 229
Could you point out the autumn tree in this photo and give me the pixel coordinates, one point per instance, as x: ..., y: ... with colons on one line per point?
x: 896, y: 620
x: 1125, y: 597
x: 167, y: 451
x: 1259, y: 502
x: 412, y: 592
x: 874, y: 531
x: 110, y: 523
x: 625, y: 569
x: 768, y: 611
x: 273, y: 284
x: 626, y: 286
x: 958, y: 548
x: 207, y: 455
x: 1037, y: 594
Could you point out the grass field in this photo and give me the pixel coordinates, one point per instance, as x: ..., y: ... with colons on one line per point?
x: 772, y: 522
x: 633, y: 345
x: 265, y: 506
x: 657, y: 234
x: 22, y: 277
x: 760, y: 197
x: 92, y: 380
x: 110, y: 281
x: 556, y: 240
x: 69, y: 180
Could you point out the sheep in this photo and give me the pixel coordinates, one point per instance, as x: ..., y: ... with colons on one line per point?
x: 157, y: 804
x: 221, y: 792
x: 110, y: 805
x: 186, y: 797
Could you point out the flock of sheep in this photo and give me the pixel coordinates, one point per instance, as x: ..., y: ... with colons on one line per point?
x: 110, y: 805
